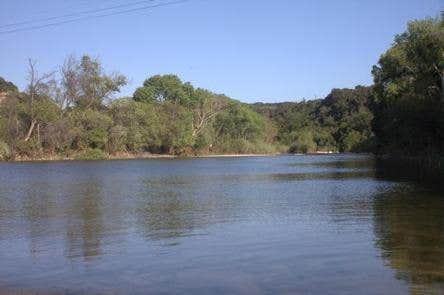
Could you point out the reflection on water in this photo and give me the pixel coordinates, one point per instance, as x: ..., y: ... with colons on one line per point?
x: 352, y: 163
x: 409, y: 229
x: 289, y: 224
x: 84, y: 221
x: 170, y: 208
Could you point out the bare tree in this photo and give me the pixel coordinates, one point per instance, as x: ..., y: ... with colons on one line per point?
x: 207, y: 107
x: 37, y: 87
x: 69, y: 82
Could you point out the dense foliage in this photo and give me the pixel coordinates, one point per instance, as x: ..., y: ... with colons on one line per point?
x: 6, y: 86
x: 74, y: 112
x: 340, y: 122
x: 409, y: 91
x: 71, y: 113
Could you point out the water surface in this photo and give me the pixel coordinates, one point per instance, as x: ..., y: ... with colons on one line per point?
x: 259, y: 225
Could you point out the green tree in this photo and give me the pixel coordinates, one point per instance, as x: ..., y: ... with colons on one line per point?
x: 303, y: 142
x: 409, y: 98
x: 91, y: 128
x: 179, y: 135
x: 137, y: 126
x: 6, y: 86
x: 240, y: 129
x: 188, y: 113
x: 166, y: 88
x: 85, y: 84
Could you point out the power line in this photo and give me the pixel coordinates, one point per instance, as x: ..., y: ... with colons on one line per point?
x: 43, y: 12
x: 76, y: 14
x: 91, y: 11
x: 91, y: 17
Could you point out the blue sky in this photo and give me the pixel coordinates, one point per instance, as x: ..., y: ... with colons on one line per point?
x: 250, y: 50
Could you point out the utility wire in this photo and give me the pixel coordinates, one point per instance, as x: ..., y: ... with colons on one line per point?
x: 91, y: 11
x: 43, y: 13
x: 91, y: 17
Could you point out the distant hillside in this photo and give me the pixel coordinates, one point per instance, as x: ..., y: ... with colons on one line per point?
x: 339, y: 122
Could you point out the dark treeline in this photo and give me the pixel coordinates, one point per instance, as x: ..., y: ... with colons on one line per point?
x: 73, y: 112
x: 409, y: 91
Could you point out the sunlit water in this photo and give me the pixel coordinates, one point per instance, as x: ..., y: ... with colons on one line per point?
x: 260, y: 225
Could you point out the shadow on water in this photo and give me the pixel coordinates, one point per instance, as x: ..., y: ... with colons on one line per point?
x: 409, y: 224
x: 258, y: 178
x: 407, y: 216
x: 352, y: 162
x: 411, y: 170
x: 409, y: 231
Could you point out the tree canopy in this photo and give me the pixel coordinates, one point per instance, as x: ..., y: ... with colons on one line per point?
x: 73, y: 112
x: 6, y: 86
x: 409, y: 91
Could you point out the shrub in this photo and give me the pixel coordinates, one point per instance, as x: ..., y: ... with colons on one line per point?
x: 97, y: 138
x: 303, y: 143
x: 30, y: 148
x: 4, y: 151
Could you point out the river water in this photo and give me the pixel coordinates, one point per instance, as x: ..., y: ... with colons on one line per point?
x: 257, y: 225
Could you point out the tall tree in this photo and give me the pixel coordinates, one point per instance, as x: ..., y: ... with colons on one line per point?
x: 37, y: 103
x: 85, y: 84
x: 409, y: 98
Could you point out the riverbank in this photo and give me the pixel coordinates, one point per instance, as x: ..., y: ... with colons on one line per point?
x: 132, y: 156
x: 166, y: 156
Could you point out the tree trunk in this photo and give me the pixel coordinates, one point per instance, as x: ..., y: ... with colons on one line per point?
x: 38, y: 132
x: 31, y: 128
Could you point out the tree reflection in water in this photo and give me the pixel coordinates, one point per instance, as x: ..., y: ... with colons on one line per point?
x: 409, y: 231
x: 84, y: 221
x: 173, y: 208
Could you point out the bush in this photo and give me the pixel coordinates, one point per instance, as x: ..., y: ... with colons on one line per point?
x: 226, y: 145
x: 4, y: 151
x: 351, y: 141
x: 303, y: 143
x: 97, y: 138
x: 30, y: 148
x: 92, y: 155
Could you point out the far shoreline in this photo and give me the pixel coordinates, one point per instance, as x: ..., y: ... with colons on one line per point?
x: 148, y: 156
x: 141, y: 156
